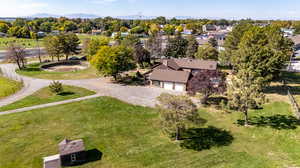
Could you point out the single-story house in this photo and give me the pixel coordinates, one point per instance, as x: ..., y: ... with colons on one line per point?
x: 170, y: 79
x: 209, y: 27
x: 96, y: 32
x: 174, y: 74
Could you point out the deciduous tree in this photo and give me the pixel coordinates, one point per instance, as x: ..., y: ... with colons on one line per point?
x: 245, y: 91
x: 111, y: 60
x: 207, y: 82
x: 17, y: 54
x: 176, y: 113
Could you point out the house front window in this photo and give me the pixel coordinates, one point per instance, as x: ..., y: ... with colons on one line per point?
x: 73, y: 157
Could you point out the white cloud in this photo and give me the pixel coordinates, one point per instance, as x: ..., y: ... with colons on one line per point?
x: 21, y: 7
x: 102, y: 1
x: 109, y: 1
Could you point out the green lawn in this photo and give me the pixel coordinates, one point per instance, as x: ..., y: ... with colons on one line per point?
x: 31, y: 43
x: 28, y: 43
x: 8, y: 87
x: 33, y: 70
x: 45, y: 96
x: 130, y: 136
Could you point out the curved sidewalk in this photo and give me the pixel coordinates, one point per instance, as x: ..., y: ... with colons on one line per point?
x: 49, y: 105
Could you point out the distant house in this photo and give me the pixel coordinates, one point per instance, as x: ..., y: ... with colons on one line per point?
x: 288, y: 32
x: 3, y: 34
x: 209, y: 27
x: 41, y: 34
x: 174, y: 74
x: 96, y: 32
x: 296, y: 40
x: 187, y: 32
x: 55, y: 32
x: 123, y: 34
x: 72, y: 152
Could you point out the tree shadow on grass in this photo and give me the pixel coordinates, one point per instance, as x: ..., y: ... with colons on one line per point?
x: 66, y: 93
x: 282, y: 90
x: 217, y: 100
x: 277, y: 122
x: 205, y: 138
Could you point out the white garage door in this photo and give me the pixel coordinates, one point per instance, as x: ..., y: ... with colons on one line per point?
x: 179, y: 87
x: 168, y: 85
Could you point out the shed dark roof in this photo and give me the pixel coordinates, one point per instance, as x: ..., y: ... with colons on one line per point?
x: 170, y: 76
x: 67, y: 147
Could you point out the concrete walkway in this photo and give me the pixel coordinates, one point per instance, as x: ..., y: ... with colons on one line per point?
x: 48, y: 105
x: 137, y: 95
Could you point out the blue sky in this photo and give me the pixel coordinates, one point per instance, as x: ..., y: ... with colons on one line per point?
x: 276, y: 9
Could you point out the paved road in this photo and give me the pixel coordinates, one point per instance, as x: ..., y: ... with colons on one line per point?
x: 137, y: 95
x: 30, y: 53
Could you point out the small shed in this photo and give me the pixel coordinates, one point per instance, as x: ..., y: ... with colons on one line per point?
x: 52, y: 161
x: 72, y: 152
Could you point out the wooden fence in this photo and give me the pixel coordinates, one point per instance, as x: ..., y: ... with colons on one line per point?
x: 294, y: 103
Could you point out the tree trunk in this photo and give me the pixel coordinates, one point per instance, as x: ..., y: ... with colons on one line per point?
x: 246, y: 118
x: 18, y: 63
x: 177, y: 138
x: 38, y: 45
x: 204, y: 99
x: 67, y: 57
x: 23, y: 63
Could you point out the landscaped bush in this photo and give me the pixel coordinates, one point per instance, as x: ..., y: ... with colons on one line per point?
x: 56, y: 87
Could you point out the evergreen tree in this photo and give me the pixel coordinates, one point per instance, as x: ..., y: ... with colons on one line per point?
x: 207, y: 52
x: 192, y: 47
x: 176, y: 47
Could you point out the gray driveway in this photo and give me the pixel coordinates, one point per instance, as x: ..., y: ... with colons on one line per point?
x: 137, y: 95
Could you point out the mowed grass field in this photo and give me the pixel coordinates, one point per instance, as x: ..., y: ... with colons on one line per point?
x: 34, y: 70
x: 8, y: 87
x: 45, y: 96
x: 32, y: 43
x: 130, y: 137
x: 28, y: 43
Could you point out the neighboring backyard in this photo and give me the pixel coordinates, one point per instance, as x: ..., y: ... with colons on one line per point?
x: 31, y: 43
x: 8, y: 87
x: 130, y: 136
x: 45, y: 96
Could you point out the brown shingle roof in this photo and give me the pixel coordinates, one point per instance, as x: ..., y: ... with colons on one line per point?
x: 196, y: 64
x: 170, y: 76
x: 67, y: 147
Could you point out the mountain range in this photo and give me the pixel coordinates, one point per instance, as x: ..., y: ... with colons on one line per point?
x: 92, y: 16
